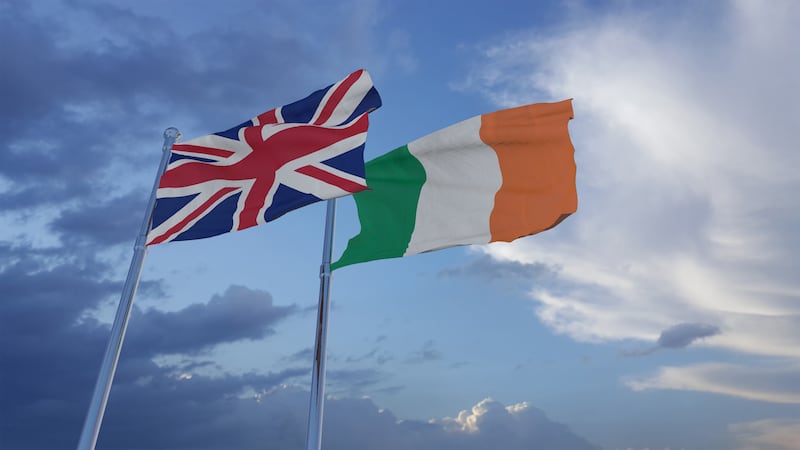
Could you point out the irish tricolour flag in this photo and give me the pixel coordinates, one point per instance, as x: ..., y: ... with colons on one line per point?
x: 494, y: 177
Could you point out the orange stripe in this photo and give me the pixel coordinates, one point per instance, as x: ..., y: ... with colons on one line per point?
x: 537, y: 163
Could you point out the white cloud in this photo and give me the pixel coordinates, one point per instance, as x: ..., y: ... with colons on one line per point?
x: 470, y: 421
x: 684, y: 130
x: 214, y: 419
x: 768, y: 434
x: 769, y: 384
x: 358, y: 423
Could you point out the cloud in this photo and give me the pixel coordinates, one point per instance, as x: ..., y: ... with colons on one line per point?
x: 178, y: 404
x: 34, y: 280
x: 774, y: 384
x: 78, y: 119
x: 684, y: 145
x: 78, y: 156
x: 239, y: 313
x: 493, y: 426
x: 767, y: 434
x: 176, y: 407
x: 683, y: 334
x: 489, y: 424
x: 53, y: 347
x: 107, y: 222
x: 486, y: 267
x: 679, y: 336
x: 54, y: 388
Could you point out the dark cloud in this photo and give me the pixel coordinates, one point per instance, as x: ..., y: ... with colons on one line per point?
x: 679, y: 336
x: 48, y: 373
x: 159, y: 409
x: 239, y: 313
x: 52, y: 349
x: 683, y: 334
x: 48, y: 377
x: 485, y: 267
x: 86, y: 85
x: 51, y: 152
x: 49, y: 281
x: 111, y: 221
x: 182, y: 412
x: 79, y: 100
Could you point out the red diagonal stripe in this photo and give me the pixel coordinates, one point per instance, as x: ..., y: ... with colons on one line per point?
x: 267, y: 117
x: 337, y: 96
x: 343, y: 183
x: 194, y: 214
x: 189, y: 148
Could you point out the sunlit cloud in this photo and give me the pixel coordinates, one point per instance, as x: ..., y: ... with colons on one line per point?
x: 490, y: 424
x: 773, y: 434
x: 768, y: 384
x: 686, y: 172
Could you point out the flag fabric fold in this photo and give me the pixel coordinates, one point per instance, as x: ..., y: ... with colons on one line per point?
x: 255, y: 172
x: 494, y: 177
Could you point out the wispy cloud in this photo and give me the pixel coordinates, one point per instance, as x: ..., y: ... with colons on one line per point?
x: 685, y: 148
x: 775, y: 383
x: 772, y: 434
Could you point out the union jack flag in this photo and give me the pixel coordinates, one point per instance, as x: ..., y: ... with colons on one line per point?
x: 255, y: 172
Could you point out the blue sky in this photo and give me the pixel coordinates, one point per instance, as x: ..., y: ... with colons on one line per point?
x: 665, y: 313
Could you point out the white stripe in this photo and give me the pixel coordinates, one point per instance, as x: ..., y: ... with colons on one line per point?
x: 324, y: 101
x: 351, y: 100
x: 239, y: 148
x: 288, y: 175
x: 268, y: 130
x: 324, y: 154
x: 462, y: 178
x: 316, y: 187
x: 313, y: 186
x: 210, y: 188
x: 340, y: 173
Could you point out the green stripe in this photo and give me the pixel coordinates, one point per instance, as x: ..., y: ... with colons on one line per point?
x: 388, y: 210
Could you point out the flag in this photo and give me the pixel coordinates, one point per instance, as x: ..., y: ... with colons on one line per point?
x: 255, y: 172
x: 494, y: 177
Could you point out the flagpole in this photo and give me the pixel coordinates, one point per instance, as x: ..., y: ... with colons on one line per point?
x: 317, y: 403
x: 94, y: 418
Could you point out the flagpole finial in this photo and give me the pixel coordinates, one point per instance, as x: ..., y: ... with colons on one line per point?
x: 172, y: 133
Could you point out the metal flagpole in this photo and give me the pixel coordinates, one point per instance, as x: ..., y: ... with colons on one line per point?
x: 317, y: 403
x: 94, y: 418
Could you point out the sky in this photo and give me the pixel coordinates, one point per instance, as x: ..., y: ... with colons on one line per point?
x: 664, y: 314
